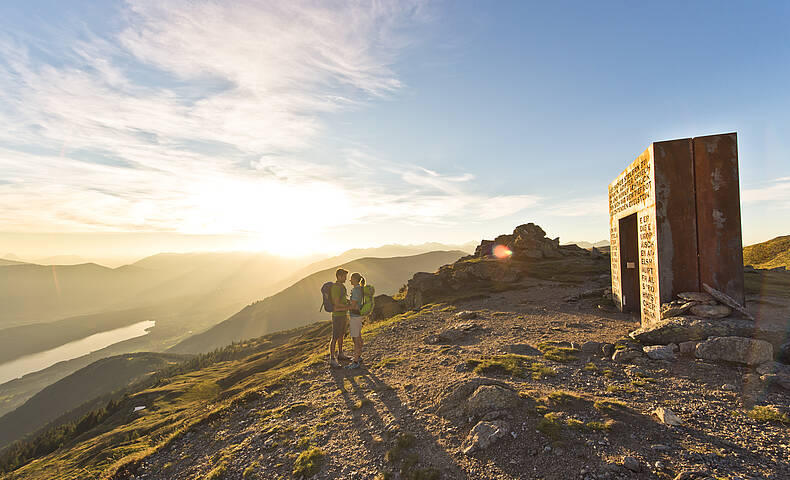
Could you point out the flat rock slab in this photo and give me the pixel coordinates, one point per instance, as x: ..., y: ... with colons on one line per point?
x: 711, y: 311
x: 660, y: 352
x: 745, y: 351
x: 686, y: 329
x: 699, y: 297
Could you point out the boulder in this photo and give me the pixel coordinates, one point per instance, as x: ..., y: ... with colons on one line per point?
x: 745, y: 351
x: 501, y: 271
x: 660, y: 352
x: 483, y: 435
x: 688, y: 348
x: 460, y: 391
x: 453, y: 334
x: 591, y: 347
x: 465, y: 315
x: 711, y: 311
x: 385, y: 307
x: 699, y: 297
x: 685, y: 329
x: 667, y: 416
x: 488, y: 398
x: 626, y: 355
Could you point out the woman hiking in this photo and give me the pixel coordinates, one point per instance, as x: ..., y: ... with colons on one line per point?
x: 355, y: 319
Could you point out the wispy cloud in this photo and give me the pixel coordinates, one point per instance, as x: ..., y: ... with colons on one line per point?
x: 775, y: 192
x: 200, y: 117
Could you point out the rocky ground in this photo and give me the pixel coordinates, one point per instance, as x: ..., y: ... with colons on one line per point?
x: 515, y: 383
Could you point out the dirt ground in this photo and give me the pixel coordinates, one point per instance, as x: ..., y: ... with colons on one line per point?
x: 578, y: 418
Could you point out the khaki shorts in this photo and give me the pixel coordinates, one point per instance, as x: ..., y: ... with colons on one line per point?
x: 355, y: 326
x: 339, y: 326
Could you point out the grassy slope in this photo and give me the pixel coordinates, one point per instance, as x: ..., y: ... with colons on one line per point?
x: 97, y: 379
x: 770, y: 254
x: 185, y: 400
x: 299, y: 304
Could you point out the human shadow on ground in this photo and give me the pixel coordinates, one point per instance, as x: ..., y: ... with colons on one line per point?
x: 403, y: 421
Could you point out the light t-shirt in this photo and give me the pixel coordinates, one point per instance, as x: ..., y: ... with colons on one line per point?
x: 356, y: 296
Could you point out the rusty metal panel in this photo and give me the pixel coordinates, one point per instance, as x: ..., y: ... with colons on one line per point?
x: 719, y: 214
x: 676, y: 218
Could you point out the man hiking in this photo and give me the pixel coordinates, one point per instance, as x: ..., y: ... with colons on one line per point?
x: 339, y: 298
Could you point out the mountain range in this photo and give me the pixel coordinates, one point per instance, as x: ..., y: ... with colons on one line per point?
x: 299, y: 304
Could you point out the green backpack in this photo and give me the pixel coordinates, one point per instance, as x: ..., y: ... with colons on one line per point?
x: 367, y: 300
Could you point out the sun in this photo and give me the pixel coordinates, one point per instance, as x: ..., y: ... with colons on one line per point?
x: 285, y: 218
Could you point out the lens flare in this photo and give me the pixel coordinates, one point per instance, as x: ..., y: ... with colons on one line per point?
x: 501, y: 251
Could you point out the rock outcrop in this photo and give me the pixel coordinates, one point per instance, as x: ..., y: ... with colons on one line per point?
x: 528, y: 243
x: 689, y: 328
x: 745, y: 351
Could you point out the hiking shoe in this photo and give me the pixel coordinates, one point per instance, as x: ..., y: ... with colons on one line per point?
x: 333, y: 363
x: 353, y: 365
x: 343, y: 358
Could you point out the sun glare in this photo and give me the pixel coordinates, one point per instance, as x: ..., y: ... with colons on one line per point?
x: 287, y: 219
x: 501, y: 251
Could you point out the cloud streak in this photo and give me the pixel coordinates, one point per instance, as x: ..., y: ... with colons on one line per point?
x: 200, y: 117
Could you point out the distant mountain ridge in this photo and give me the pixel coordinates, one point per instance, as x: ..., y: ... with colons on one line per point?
x: 384, y: 251
x: 769, y: 254
x: 32, y: 293
x: 298, y: 305
x: 588, y: 245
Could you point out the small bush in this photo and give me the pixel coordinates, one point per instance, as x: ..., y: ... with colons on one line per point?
x: 217, y: 472
x: 574, y: 423
x: 509, y: 364
x: 609, y: 405
x: 620, y: 389
x: 540, y: 371
x: 250, y: 470
x: 767, y: 414
x: 550, y: 425
x: 563, y: 398
x: 556, y: 353
x: 600, y: 426
x: 308, y: 463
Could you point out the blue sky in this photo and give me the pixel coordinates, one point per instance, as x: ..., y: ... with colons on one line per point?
x: 411, y: 121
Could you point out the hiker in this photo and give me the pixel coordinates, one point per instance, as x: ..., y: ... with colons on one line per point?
x: 339, y: 299
x: 356, y: 318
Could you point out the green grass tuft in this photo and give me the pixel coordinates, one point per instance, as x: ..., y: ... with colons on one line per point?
x: 561, y: 397
x: 767, y: 414
x: 556, y: 353
x: 308, y: 463
x: 609, y: 405
x: 550, y: 425
x: 600, y: 426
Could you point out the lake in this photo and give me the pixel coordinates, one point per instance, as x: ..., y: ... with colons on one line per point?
x: 41, y: 360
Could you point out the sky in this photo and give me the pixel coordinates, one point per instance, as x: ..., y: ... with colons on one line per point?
x: 132, y: 127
